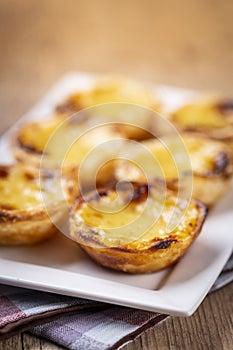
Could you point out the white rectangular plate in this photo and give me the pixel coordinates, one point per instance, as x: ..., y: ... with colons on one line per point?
x: 59, y: 266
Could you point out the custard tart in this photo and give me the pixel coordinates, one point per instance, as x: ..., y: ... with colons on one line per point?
x: 213, y: 118
x: 25, y: 200
x: 52, y: 144
x: 110, y: 91
x: 134, y: 239
x: 210, y: 163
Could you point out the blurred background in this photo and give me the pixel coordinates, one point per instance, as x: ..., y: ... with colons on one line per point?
x: 188, y: 43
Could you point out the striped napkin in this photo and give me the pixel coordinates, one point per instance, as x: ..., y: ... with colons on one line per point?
x: 77, y: 323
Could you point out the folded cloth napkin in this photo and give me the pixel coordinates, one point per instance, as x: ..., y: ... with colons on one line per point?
x: 77, y: 323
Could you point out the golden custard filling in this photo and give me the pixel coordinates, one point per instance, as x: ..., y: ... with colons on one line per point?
x: 64, y: 143
x: 20, y: 189
x: 203, y: 115
x: 138, y: 223
x: 34, y: 136
x: 111, y: 91
x: 199, y: 154
x: 92, y: 140
x: 205, y: 155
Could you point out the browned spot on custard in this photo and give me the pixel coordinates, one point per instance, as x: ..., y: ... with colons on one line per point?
x: 221, y: 162
x: 190, y: 128
x: 7, y: 207
x: 68, y: 107
x: 159, y: 244
x: 140, y: 193
x: 29, y: 148
x: 103, y: 193
x: 70, y: 190
x: 164, y: 244
x: 225, y: 107
x: 29, y: 176
x: 96, y: 196
x: 4, y: 172
x: 7, y: 217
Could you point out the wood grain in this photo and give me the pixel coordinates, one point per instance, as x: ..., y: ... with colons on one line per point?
x: 187, y: 44
x: 209, y: 328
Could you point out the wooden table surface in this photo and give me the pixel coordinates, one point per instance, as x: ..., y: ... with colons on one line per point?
x: 186, y: 43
